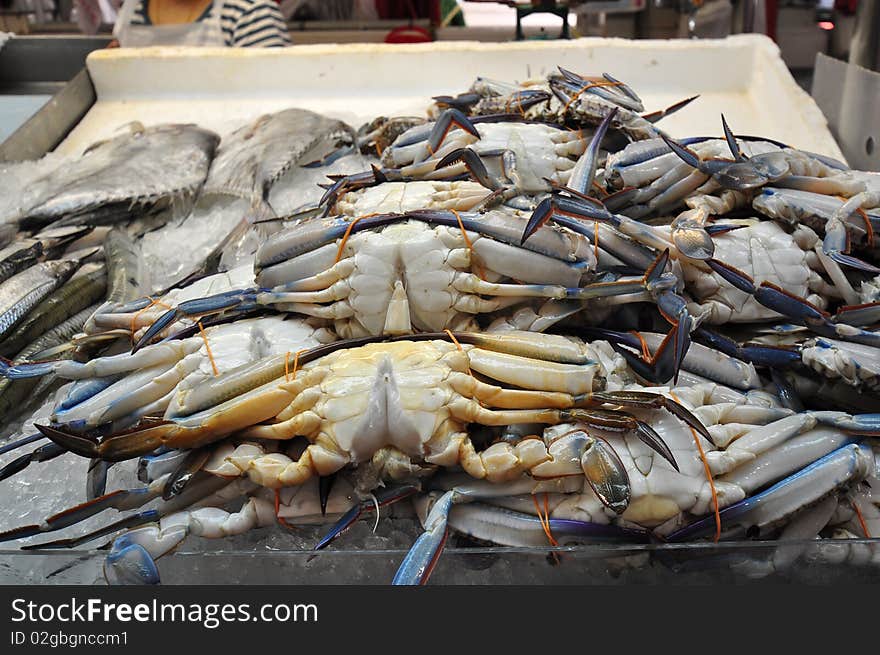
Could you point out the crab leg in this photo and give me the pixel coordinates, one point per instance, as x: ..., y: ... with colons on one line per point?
x: 848, y: 464
x: 584, y: 171
x: 121, y: 500
x: 161, y: 353
x: 422, y: 557
x: 41, y: 454
x: 381, y: 498
x: 793, y: 307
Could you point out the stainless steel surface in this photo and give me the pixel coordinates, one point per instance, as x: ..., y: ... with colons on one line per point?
x: 864, y: 49
x: 848, y: 95
x: 48, y: 127
x: 44, y: 64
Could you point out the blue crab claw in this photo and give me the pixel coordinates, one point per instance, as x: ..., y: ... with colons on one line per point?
x: 382, y: 498
x: 584, y: 171
x: 659, y: 368
x: 731, y: 141
x: 473, y: 163
x: 463, y: 101
x: 42, y: 454
x: 616, y: 92
x: 627, y: 90
x: 143, y: 437
x: 775, y: 357
x: 738, y: 175
x: 448, y: 119
x: 129, y: 563
x: 525, y: 99
x: 846, y: 465
x: 239, y: 300
x: 346, y: 183
x: 655, y: 116
x: 568, y: 212
x: 650, y: 400
x: 421, y: 559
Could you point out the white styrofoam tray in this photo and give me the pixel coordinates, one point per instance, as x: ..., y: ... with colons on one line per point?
x: 742, y: 76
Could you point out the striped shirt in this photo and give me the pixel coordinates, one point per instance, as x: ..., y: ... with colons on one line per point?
x: 245, y: 23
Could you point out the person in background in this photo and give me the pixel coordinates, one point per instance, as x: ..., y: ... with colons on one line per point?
x: 237, y: 23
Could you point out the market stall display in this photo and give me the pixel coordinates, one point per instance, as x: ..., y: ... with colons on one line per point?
x: 538, y: 310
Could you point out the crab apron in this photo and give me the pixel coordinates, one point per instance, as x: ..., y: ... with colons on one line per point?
x: 199, y: 33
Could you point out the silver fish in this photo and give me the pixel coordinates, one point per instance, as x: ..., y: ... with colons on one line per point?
x: 86, y: 287
x: 147, y: 168
x: 251, y: 159
x: 24, y: 291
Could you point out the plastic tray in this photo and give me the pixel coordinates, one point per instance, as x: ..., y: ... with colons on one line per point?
x: 742, y: 76
x: 803, y: 562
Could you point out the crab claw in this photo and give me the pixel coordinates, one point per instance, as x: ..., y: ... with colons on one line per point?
x: 731, y: 141
x: 236, y: 299
x: 421, y: 559
x: 584, y: 170
x: 147, y: 435
x: 121, y: 500
x: 740, y: 174
x: 655, y: 116
x: 42, y: 454
x: 795, y: 308
x: 567, y: 212
x: 463, y: 101
x: 381, y: 498
x: 448, y: 119
x: 24, y: 441
x: 647, y: 399
x: 617, y: 421
x: 474, y: 165
x: 525, y: 99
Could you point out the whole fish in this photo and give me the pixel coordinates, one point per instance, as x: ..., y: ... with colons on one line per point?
x: 86, y: 287
x: 146, y: 169
x: 251, y: 159
x: 23, y: 292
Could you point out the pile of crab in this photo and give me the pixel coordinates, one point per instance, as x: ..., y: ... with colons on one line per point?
x: 537, y: 317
